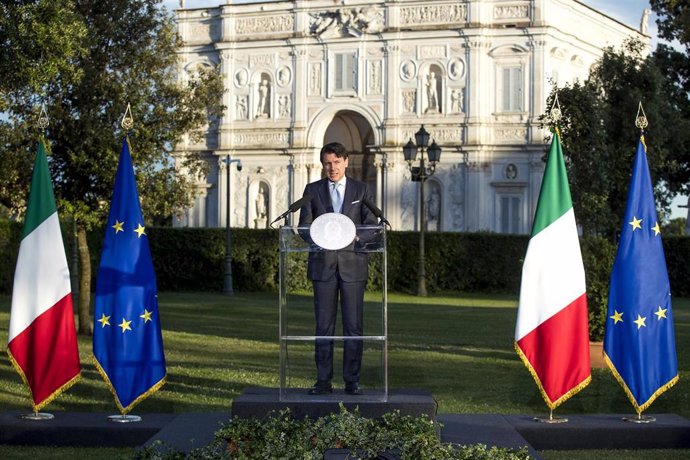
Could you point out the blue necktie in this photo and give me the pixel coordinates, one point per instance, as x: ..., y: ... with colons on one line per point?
x: 336, y: 196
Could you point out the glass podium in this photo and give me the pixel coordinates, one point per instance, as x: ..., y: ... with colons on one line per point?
x: 297, y: 323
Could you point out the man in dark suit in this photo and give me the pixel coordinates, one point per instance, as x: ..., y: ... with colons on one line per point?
x: 338, y: 274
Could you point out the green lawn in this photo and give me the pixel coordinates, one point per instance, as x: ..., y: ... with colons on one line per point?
x: 458, y: 346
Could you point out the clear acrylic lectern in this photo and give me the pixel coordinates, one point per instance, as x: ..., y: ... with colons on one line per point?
x: 297, y: 365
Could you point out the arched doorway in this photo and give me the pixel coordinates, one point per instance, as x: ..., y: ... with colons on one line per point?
x: 353, y: 131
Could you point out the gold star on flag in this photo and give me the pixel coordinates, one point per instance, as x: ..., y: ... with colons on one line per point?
x: 118, y: 226
x: 660, y: 313
x: 656, y: 229
x: 140, y: 230
x: 147, y: 315
x: 104, y: 320
x: 125, y: 325
x: 617, y: 317
x: 636, y: 223
x: 640, y: 321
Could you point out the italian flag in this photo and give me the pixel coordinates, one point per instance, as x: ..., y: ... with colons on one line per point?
x: 552, y: 332
x: 42, y: 343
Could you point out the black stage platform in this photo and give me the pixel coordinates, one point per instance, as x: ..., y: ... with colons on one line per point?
x: 190, y: 430
x: 260, y: 402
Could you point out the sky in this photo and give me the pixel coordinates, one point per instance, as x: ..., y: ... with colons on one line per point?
x: 628, y: 12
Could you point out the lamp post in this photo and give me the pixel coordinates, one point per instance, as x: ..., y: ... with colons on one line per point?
x: 227, y: 275
x: 420, y: 174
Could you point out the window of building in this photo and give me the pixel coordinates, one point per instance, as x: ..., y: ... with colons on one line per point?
x: 511, y: 89
x: 510, y: 214
x: 345, y: 66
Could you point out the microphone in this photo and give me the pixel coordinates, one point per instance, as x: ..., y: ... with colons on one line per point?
x: 295, y: 206
x: 375, y: 210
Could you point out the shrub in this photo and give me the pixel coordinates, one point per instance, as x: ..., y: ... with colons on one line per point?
x: 10, y: 235
x: 597, y: 257
x: 283, y: 436
x: 192, y: 259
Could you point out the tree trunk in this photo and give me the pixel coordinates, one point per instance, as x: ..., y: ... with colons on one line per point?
x: 84, y: 282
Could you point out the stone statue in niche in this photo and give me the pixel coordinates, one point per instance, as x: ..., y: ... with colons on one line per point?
x: 432, y: 93
x: 261, y: 204
x: 262, y: 110
x: 433, y: 209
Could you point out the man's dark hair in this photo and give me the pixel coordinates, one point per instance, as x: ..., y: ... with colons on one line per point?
x: 336, y: 148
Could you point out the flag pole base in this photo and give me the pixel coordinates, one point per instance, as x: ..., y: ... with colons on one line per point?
x: 124, y: 418
x: 551, y: 419
x: 38, y: 416
x: 639, y: 418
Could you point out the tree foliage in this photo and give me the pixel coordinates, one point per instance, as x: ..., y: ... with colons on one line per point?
x: 600, y: 137
x: 674, y: 26
x: 85, y: 61
x: 674, y: 19
x: 109, y: 55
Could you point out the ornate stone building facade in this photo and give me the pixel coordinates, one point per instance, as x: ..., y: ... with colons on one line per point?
x: 368, y: 74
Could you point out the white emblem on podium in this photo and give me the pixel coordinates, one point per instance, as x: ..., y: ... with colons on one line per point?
x: 332, y: 231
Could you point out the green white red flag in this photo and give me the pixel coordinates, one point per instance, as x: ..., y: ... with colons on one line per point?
x: 42, y: 342
x: 552, y: 331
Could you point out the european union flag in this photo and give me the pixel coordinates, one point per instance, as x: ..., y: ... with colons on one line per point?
x: 127, y: 339
x: 639, y: 342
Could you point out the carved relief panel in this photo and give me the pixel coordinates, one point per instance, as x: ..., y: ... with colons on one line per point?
x: 315, y: 79
x: 375, y: 77
x: 409, y: 97
x: 433, y: 14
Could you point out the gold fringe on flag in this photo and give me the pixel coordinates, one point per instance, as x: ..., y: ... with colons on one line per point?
x: 639, y: 408
x: 52, y: 396
x: 125, y: 410
x: 551, y: 404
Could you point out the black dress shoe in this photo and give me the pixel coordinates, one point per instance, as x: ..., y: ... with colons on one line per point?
x: 353, y: 389
x: 321, y: 388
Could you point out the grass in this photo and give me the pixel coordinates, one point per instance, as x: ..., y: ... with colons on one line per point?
x: 458, y: 346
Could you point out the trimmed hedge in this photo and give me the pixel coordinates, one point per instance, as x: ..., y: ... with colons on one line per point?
x: 10, y: 236
x: 192, y: 259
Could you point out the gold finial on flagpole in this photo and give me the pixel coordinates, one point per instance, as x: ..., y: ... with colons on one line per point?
x: 127, y: 120
x: 43, y: 120
x: 555, y: 114
x: 641, y: 120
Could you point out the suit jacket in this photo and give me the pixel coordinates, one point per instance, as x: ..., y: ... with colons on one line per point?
x: 352, y: 265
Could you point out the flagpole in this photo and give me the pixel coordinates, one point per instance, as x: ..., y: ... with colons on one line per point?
x: 127, y: 124
x: 555, y: 116
x: 43, y: 123
x: 641, y: 122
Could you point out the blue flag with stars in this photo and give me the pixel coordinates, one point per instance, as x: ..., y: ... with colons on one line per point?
x: 639, y: 342
x: 127, y: 339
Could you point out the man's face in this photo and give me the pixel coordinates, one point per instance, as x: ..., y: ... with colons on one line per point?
x: 335, y: 167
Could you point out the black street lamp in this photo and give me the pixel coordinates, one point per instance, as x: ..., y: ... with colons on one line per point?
x: 227, y: 275
x: 420, y: 174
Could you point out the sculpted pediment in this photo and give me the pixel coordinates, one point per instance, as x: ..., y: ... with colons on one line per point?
x: 347, y: 22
